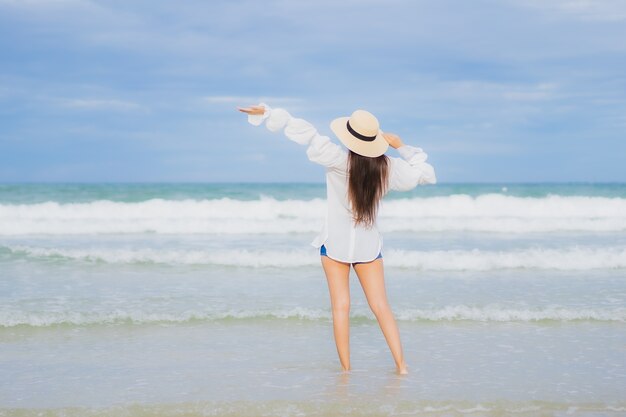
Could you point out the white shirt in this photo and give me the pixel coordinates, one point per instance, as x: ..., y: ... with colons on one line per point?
x: 343, y: 240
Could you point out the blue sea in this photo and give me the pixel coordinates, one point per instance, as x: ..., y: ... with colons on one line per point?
x: 208, y: 299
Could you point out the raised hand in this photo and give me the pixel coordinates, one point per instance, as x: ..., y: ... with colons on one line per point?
x: 393, y: 139
x: 253, y: 110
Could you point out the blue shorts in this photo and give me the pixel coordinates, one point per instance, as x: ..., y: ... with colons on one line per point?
x: 323, y: 253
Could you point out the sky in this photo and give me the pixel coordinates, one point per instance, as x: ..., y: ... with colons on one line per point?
x: 147, y: 90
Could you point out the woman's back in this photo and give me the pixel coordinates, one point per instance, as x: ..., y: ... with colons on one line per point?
x: 344, y: 240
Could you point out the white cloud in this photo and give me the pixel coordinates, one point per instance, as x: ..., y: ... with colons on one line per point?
x: 606, y: 10
x: 250, y: 99
x: 485, y: 91
x: 475, y: 147
x: 41, y: 3
x: 540, y: 92
x: 255, y: 157
x: 99, y: 104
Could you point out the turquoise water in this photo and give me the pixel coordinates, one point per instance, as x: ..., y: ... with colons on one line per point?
x: 207, y: 299
x: 72, y: 192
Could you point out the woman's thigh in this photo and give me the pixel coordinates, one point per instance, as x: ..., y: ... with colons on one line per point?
x: 337, y: 275
x: 372, y: 278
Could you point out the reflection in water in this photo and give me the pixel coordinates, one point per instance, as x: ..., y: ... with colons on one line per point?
x: 342, y: 384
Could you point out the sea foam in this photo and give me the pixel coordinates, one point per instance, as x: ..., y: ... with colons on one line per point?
x: 12, y: 318
x: 568, y: 258
x: 488, y: 212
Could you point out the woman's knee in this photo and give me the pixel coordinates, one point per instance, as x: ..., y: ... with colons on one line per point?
x: 341, y: 305
x: 379, y: 306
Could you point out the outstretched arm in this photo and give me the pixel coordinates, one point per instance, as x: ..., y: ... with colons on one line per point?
x: 320, y: 149
x: 410, y: 170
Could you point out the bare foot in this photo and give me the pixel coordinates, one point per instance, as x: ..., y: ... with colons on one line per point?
x: 402, y: 369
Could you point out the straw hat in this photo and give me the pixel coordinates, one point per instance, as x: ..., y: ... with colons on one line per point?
x: 360, y: 133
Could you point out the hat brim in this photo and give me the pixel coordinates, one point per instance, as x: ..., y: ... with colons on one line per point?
x: 372, y: 149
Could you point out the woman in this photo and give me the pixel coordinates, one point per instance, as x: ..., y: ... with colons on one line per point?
x: 356, y: 180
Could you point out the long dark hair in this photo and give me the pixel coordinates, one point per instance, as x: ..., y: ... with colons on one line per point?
x: 367, y: 184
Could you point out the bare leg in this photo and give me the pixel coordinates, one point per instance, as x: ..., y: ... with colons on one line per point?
x: 337, y: 275
x: 372, y: 278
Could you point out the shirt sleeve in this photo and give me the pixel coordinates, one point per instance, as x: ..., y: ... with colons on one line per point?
x: 410, y: 170
x: 320, y: 149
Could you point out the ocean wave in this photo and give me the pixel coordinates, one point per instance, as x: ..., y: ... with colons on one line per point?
x: 488, y: 212
x: 573, y: 258
x: 13, y: 318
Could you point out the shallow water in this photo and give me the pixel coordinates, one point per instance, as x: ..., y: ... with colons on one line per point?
x: 208, y: 300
